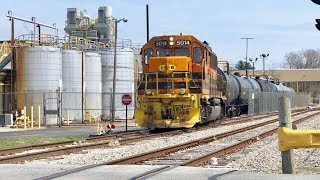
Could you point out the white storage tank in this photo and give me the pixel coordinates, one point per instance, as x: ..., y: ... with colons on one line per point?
x: 72, y: 83
x: 137, y: 72
x: 92, y: 83
x: 124, y: 82
x: 39, y: 74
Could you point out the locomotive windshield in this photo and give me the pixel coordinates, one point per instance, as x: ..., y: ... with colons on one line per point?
x: 181, y: 52
x: 163, y: 52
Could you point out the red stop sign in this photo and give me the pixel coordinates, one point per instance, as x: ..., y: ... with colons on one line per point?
x: 126, y: 99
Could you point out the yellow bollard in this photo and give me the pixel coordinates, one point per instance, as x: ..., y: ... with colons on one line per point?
x: 25, y: 117
x: 68, y: 118
x: 31, y: 110
x: 39, y: 120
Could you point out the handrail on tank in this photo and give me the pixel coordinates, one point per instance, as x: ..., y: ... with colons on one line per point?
x: 78, y: 43
x: 38, y: 40
x: 71, y: 42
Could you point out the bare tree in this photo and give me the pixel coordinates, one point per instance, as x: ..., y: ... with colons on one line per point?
x: 306, y: 59
x: 272, y: 68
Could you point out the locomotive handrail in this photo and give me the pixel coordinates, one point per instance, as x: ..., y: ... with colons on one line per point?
x: 146, y: 78
x: 157, y: 83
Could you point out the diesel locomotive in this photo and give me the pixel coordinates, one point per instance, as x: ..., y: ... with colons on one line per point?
x: 181, y: 85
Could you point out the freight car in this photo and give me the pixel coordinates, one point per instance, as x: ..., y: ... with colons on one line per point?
x: 238, y: 90
x: 181, y: 85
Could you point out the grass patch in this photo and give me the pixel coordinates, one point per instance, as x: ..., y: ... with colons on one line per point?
x: 12, y: 142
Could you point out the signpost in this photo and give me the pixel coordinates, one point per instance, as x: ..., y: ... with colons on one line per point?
x: 126, y: 100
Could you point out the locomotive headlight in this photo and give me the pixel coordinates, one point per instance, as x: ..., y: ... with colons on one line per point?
x: 148, y: 92
x: 182, y: 91
x: 170, y: 38
x: 171, y: 43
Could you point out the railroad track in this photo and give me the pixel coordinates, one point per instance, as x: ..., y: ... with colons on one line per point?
x: 198, y: 161
x: 5, y: 152
x: 102, y: 141
x: 10, y: 151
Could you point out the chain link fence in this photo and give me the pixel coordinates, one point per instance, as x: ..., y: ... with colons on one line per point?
x: 56, y: 108
x: 263, y: 102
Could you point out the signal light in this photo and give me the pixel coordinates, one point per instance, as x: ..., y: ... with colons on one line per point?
x: 318, y: 24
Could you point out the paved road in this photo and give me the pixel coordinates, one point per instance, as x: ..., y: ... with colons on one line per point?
x: 125, y: 172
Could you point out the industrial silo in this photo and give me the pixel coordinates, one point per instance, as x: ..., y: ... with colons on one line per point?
x: 39, y: 74
x: 92, y: 83
x: 72, y: 83
x: 124, y: 81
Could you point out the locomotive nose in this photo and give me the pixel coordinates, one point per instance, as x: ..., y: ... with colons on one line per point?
x: 169, y: 64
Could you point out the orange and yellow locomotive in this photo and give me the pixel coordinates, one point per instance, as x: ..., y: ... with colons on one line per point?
x: 180, y: 85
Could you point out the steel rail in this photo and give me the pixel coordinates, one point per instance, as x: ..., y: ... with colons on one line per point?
x: 235, y: 147
x: 9, y: 151
x: 105, y: 143
x: 164, y: 151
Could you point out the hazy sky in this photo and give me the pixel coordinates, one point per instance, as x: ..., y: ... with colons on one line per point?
x: 277, y: 26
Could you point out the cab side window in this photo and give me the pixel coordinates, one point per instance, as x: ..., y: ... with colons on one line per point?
x: 147, y: 54
x: 197, y: 54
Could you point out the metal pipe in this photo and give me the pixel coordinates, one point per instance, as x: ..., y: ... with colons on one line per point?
x: 246, y: 54
x: 114, y: 69
x: 4, y: 98
x: 39, y: 35
x: 12, y: 60
x: 82, y: 88
x: 39, y: 117
x: 115, y: 64
x: 264, y: 56
x: 31, y: 115
x: 68, y: 118
x: 9, y: 15
x: 25, y: 117
x: 147, y: 16
x: 253, y: 62
x: 253, y: 69
x: 33, y: 19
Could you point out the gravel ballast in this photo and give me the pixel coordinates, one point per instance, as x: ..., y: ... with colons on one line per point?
x: 95, y: 156
x: 264, y: 155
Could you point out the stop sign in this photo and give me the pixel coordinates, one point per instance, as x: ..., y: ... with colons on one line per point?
x: 126, y: 99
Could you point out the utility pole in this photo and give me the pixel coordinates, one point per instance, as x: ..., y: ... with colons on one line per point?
x: 114, y: 67
x: 247, y: 39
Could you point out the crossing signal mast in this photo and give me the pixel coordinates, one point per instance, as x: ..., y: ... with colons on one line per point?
x: 317, y: 20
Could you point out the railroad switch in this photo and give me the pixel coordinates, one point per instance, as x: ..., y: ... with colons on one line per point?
x: 289, y: 138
